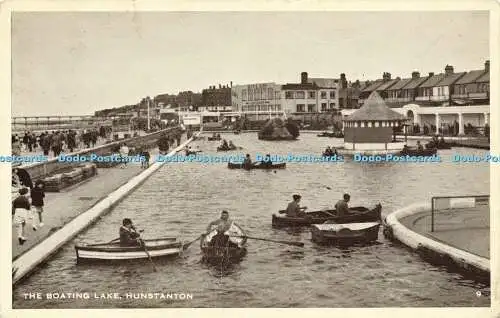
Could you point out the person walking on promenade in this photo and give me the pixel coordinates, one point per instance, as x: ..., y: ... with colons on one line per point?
x: 37, y: 195
x: 124, y: 155
x: 20, y: 210
x: 45, y: 143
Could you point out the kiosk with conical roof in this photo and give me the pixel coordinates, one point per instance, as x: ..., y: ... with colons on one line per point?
x: 369, y: 130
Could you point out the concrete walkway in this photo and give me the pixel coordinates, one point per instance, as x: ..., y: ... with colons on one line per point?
x: 467, y: 229
x: 60, y: 208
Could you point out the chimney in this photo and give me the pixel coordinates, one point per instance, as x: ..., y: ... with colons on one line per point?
x: 220, y: 86
x: 386, y: 76
x: 415, y: 74
x: 231, y: 83
x: 343, y: 81
x: 487, y: 66
x: 431, y: 74
x: 303, y: 77
x: 448, y: 70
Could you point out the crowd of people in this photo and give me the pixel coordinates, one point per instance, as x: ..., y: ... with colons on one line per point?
x: 58, y: 141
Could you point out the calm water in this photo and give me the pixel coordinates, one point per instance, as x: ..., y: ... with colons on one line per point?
x: 180, y: 199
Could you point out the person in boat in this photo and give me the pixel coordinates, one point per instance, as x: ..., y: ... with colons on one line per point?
x: 334, y: 151
x: 327, y: 152
x: 231, y: 145
x: 294, y: 209
x: 441, y: 141
x: 419, y: 146
x: 342, y: 206
x: 267, y: 162
x: 405, y: 148
x: 223, y: 224
x: 247, y: 163
x: 224, y: 145
x: 128, y: 234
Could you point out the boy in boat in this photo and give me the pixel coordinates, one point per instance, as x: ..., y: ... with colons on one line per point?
x: 342, y: 206
x: 20, y: 210
x: 231, y: 145
x: 223, y: 224
x: 224, y: 145
x: 419, y: 146
x: 267, y: 161
x: 128, y: 234
x: 247, y: 163
x: 293, y: 209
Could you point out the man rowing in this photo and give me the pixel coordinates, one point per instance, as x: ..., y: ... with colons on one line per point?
x: 128, y: 234
x: 267, y: 162
x: 294, y: 209
x: 342, y: 206
x: 223, y: 224
x: 247, y: 163
x: 224, y: 145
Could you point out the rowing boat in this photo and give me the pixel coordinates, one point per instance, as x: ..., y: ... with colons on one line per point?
x: 225, y: 248
x: 229, y: 149
x: 345, y: 234
x: 416, y: 152
x: 440, y: 145
x: 356, y: 214
x: 160, y: 247
x: 257, y: 165
x: 214, y: 138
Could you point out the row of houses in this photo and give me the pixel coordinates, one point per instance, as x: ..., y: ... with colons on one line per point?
x: 443, y: 89
x: 325, y: 95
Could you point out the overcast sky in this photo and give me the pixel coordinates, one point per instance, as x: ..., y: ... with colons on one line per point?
x: 76, y: 63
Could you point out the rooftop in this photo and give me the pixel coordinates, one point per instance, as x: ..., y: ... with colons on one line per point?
x: 433, y: 80
x: 373, y: 85
x: 450, y: 79
x: 485, y: 78
x: 400, y: 84
x: 375, y: 108
x: 470, y: 77
x: 387, y: 84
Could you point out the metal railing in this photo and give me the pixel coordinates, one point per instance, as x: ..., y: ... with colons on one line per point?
x: 456, y: 202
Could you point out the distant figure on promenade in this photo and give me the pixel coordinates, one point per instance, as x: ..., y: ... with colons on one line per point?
x: 45, y: 143
x: 21, y: 212
x: 124, y: 155
x: 57, y: 143
x: 294, y: 209
x: 37, y: 195
x: 16, y: 146
x: 71, y: 140
x: 144, y: 153
x: 128, y: 234
x: 342, y: 206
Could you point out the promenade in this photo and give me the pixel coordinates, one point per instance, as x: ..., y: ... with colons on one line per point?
x: 61, y: 207
x: 467, y: 229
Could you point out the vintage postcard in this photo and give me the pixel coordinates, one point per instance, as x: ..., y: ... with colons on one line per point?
x: 274, y: 156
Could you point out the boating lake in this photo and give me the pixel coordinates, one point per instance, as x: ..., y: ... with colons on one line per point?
x: 181, y: 199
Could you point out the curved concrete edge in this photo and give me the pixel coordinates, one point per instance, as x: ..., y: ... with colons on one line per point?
x: 394, y: 230
x: 28, y: 262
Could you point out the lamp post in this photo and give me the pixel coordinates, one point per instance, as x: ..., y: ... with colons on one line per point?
x: 149, y: 122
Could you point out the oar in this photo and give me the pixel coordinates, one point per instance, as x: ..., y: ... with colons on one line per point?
x: 185, y: 246
x: 300, y: 244
x: 147, y: 253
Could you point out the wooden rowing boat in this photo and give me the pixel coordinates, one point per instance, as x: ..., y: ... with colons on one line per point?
x: 416, y: 152
x: 356, y: 214
x: 440, y: 145
x: 345, y: 234
x: 160, y: 247
x: 228, y: 149
x: 214, y: 138
x: 257, y: 165
x: 192, y: 152
x: 224, y: 248
x: 331, y: 134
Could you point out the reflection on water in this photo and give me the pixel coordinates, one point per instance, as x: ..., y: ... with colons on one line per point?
x: 181, y: 199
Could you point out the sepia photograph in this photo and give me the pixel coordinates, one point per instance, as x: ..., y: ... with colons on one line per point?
x: 250, y: 159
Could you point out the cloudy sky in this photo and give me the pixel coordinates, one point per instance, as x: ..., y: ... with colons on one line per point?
x: 76, y: 63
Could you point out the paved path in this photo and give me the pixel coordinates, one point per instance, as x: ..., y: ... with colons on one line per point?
x: 467, y: 229
x: 62, y: 207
